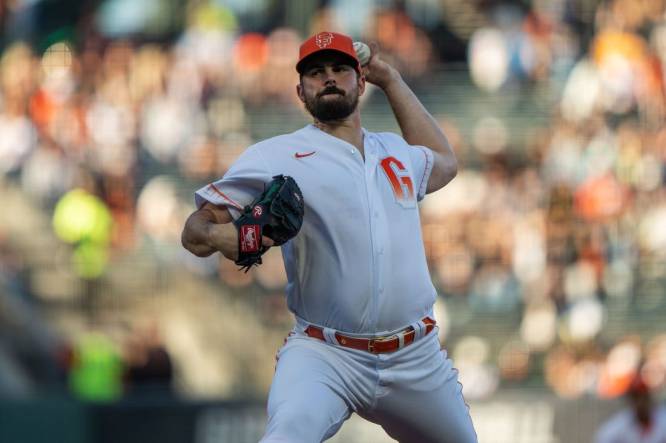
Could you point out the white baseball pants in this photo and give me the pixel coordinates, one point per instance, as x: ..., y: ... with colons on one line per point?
x: 412, y: 393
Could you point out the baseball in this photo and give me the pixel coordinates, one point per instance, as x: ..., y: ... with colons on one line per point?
x: 362, y: 52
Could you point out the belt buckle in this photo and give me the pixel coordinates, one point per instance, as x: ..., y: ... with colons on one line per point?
x: 371, y: 342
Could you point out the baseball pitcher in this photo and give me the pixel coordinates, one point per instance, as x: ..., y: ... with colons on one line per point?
x: 342, y: 203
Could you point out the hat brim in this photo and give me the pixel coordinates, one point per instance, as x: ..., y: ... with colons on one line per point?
x: 301, y: 65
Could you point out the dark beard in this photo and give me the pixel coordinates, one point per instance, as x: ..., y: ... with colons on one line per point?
x: 328, y: 110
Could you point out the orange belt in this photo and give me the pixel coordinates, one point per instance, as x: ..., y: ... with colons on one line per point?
x: 377, y: 345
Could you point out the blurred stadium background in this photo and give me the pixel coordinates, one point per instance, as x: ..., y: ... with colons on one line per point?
x: 548, y: 249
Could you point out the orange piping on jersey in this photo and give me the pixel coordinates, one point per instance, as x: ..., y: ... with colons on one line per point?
x: 221, y: 194
x: 427, y: 165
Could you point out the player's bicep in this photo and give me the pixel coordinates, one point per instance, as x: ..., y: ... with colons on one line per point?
x: 444, y: 169
x: 216, y: 214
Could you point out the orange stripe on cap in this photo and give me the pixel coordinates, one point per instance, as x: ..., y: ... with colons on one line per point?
x: 224, y: 196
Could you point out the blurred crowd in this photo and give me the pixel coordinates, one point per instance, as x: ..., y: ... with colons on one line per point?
x: 573, y: 229
x: 111, y: 133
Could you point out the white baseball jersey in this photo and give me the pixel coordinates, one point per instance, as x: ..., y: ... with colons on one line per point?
x: 623, y: 428
x: 358, y: 263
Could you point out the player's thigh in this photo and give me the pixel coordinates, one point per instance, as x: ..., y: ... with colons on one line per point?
x: 424, y: 402
x: 438, y: 417
x: 307, y: 400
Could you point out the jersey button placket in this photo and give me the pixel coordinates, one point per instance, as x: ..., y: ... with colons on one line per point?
x: 371, y: 192
x: 377, y: 223
x: 380, y: 247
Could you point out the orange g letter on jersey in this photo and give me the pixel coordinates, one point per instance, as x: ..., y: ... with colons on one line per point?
x: 399, y: 178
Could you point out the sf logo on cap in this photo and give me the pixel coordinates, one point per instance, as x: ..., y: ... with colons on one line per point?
x: 324, y: 39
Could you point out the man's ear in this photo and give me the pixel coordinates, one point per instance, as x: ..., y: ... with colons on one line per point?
x: 299, y: 92
x: 361, y: 84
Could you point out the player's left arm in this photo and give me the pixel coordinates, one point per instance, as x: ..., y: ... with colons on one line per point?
x: 417, y: 125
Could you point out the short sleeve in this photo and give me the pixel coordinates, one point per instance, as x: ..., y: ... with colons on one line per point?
x: 239, y: 186
x: 422, y: 162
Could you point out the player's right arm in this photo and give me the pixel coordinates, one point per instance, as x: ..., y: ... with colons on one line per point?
x: 209, y: 230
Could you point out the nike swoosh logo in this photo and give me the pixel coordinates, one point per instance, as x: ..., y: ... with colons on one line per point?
x: 307, y: 154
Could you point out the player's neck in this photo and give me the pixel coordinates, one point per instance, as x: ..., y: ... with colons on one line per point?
x: 348, y: 129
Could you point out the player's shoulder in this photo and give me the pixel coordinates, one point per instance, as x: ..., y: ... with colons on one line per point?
x: 274, y: 145
x: 390, y: 137
x: 393, y: 141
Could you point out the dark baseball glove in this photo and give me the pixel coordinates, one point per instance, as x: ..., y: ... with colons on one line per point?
x: 277, y: 213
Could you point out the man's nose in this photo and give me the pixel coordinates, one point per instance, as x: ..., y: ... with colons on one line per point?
x: 329, y: 77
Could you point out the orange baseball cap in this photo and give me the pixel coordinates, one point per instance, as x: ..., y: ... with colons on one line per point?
x: 327, y: 41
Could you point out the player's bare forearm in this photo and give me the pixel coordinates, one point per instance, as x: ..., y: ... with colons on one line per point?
x: 208, y: 230
x: 420, y: 128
